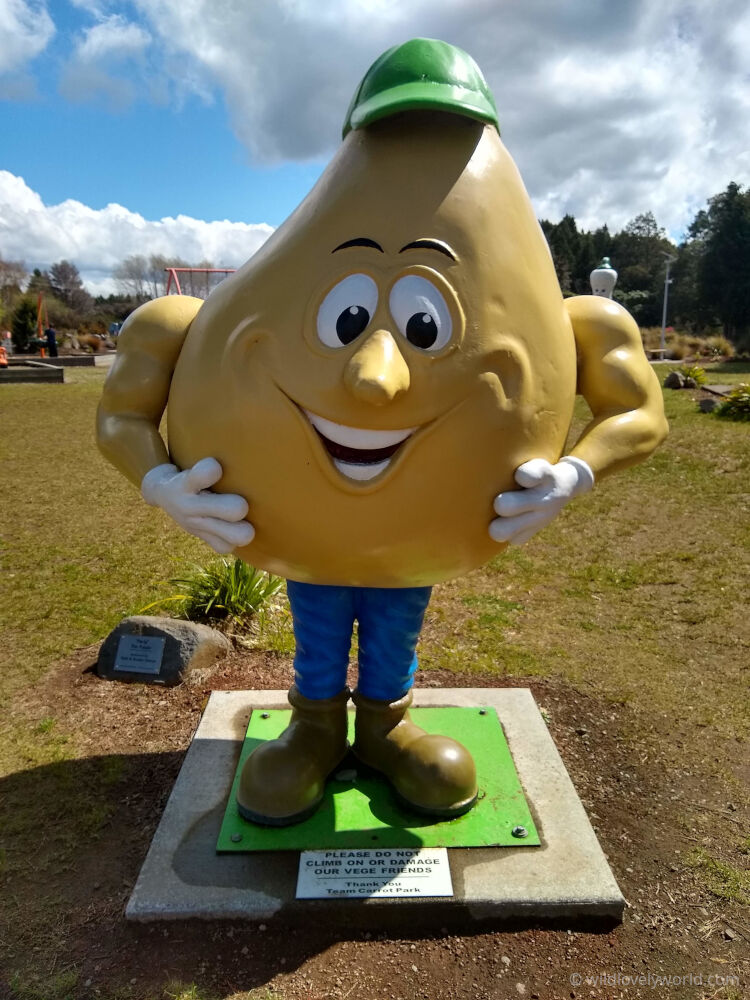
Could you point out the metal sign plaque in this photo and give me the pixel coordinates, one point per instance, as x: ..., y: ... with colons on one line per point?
x: 139, y: 654
x: 359, y: 874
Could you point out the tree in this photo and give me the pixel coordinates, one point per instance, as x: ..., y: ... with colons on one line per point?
x: 66, y: 285
x: 131, y: 276
x: 115, y: 308
x: 23, y: 325
x: 602, y: 242
x: 721, y: 238
x: 563, y: 240
x: 12, y: 276
x: 686, y: 304
x: 144, y: 277
x: 586, y: 260
x: 638, y: 253
x: 39, y: 283
x: 157, y: 273
x: 575, y: 252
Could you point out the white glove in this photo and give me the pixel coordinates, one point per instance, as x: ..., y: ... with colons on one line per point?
x: 546, y: 490
x: 217, y: 518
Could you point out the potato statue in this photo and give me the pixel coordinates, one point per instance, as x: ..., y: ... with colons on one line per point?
x: 377, y: 401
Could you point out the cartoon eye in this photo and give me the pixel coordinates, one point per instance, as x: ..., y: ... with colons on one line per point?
x: 421, y: 313
x: 347, y: 309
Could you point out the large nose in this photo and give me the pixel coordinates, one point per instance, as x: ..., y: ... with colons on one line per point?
x: 377, y: 372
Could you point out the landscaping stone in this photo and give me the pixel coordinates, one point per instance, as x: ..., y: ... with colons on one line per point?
x: 674, y: 381
x: 708, y: 405
x: 180, y: 647
x: 719, y: 390
x: 689, y: 382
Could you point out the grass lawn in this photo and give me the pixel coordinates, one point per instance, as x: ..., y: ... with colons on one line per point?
x: 79, y: 548
x: 636, y: 596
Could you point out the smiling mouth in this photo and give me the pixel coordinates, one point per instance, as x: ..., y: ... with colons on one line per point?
x: 358, y: 453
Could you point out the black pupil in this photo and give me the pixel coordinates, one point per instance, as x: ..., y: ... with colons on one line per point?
x: 351, y: 323
x: 421, y: 330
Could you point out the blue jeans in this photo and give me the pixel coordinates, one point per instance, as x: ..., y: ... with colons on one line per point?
x: 390, y: 621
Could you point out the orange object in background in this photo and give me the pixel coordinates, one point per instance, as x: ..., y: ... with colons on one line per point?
x: 3, y: 357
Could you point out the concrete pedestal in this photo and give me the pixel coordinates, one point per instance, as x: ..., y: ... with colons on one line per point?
x: 567, y: 880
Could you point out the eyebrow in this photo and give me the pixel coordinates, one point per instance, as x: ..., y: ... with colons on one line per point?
x: 359, y: 241
x: 429, y: 245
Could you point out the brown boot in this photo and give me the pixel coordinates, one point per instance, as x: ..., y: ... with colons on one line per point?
x: 283, y: 780
x: 431, y: 774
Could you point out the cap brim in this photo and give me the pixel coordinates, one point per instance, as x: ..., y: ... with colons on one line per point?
x: 423, y: 96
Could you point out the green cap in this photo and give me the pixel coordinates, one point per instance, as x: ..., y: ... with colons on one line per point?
x: 421, y: 75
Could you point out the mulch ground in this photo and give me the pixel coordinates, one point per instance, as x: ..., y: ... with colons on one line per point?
x: 644, y: 781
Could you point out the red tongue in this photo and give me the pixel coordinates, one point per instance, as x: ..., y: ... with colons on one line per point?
x: 357, y: 456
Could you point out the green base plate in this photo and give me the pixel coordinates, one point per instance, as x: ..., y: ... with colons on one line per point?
x: 364, y: 812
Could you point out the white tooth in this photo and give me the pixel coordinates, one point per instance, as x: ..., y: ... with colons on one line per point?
x: 360, y: 472
x: 355, y: 437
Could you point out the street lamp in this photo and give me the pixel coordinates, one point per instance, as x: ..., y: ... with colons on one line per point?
x: 667, y: 282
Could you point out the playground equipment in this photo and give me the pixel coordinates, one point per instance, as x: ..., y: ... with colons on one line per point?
x: 42, y: 322
x: 173, y: 281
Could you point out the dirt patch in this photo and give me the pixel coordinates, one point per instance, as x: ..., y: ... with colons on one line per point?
x: 647, y: 791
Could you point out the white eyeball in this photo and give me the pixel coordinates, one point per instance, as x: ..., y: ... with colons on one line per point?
x: 347, y: 310
x: 421, y: 313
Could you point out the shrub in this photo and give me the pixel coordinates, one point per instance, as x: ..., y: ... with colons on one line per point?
x: 684, y: 345
x: 226, y: 589
x: 735, y: 406
x: 719, y: 347
x: 695, y: 372
x: 23, y: 325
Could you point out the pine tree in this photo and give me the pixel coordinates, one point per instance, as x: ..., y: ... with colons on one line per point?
x: 722, y: 239
x: 23, y: 325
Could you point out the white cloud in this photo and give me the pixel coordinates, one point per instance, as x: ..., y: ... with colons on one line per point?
x: 90, y: 7
x: 25, y: 30
x: 609, y: 109
x: 111, y: 45
x: 97, y: 240
x: 113, y: 38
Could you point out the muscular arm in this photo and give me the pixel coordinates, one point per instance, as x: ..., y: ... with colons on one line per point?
x: 618, y: 383
x: 628, y: 422
x: 136, y: 390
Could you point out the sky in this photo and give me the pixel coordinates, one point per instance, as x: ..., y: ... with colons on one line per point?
x: 194, y: 127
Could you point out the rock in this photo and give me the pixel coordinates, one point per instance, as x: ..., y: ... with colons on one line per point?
x: 184, y: 647
x: 689, y: 382
x: 674, y: 381
x: 729, y: 934
x: 708, y: 405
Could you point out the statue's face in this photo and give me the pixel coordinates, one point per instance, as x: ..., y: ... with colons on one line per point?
x: 371, y: 379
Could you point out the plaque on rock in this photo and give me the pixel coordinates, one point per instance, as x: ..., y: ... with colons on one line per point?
x: 139, y: 654
x: 149, y: 649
